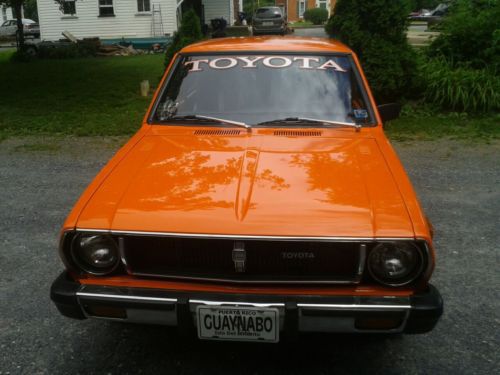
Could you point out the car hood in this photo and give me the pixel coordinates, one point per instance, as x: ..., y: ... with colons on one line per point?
x: 252, y: 184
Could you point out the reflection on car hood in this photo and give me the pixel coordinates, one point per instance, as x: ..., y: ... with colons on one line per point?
x: 252, y: 185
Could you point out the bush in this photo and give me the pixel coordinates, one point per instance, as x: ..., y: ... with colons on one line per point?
x: 66, y: 51
x: 470, y: 35
x: 376, y: 31
x: 69, y: 51
x: 189, y: 32
x: 464, y: 61
x: 84, y: 48
x: 317, y: 16
x: 461, y: 88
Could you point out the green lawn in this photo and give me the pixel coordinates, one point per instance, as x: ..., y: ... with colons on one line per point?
x: 94, y: 96
x: 100, y: 96
x: 299, y: 24
x: 428, y: 126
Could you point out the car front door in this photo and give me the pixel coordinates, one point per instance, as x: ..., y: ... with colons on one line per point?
x: 8, y: 28
x: 12, y: 28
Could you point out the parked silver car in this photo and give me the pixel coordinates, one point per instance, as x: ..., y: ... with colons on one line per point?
x: 268, y: 20
x: 9, y: 28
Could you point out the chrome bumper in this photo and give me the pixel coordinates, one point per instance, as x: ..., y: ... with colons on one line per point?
x: 417, y: 314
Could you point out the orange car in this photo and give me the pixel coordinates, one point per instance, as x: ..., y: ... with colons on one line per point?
x: 259, y: 199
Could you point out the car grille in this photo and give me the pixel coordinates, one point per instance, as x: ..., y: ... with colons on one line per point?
x: 265, y: 260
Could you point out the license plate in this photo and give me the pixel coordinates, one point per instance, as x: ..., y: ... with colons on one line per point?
x: 267, y: 23
x: 238, y: 323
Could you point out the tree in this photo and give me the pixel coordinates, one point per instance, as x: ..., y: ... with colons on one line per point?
x: 376, y: 31
x: 189, y: 32
x: 31, y: 10
x: 17, y: 5
x: 470, y: 35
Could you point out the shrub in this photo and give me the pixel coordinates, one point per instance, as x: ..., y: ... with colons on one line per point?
x: 391, y: 70
x: 69, y: 51
x: 462, y: 72
x: 376, y: 31
x: 84, y: 48
x: 189, y: 32
x: 470, y: 34
x: 317, y: 16
x: 461, y: 88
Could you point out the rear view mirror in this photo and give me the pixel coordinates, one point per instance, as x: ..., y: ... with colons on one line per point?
x: 389, y: 111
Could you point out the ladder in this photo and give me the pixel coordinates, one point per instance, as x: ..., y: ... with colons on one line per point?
x: 157, y: 21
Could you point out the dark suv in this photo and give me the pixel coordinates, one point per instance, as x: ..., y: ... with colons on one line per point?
x: 268, y: 20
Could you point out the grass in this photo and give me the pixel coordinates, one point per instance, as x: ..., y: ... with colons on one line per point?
x: 237, y: 31
x: 423, y: 125
x: 299, y: 24
x: 100, y: 97
x: 95, y: 96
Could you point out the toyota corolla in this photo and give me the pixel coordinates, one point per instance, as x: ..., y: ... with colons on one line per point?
x: 259, y: 199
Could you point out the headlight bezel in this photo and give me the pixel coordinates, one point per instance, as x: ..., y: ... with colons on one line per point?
x: 76, y: 252
x: 69, y: 254
x: 416, y: 273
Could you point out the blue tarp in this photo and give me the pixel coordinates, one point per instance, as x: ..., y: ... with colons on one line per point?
x: 139, y: 43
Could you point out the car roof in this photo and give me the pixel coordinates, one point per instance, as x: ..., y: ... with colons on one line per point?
x: 268, y: 44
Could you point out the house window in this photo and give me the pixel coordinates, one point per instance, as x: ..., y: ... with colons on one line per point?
x: 4, y: 13
x: 68, y: 7
x: 322, y: 4
x: 144, y: 5
x: 106, y: 8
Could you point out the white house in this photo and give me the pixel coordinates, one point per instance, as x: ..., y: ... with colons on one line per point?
x: 6, y: 14
x: 110, y: 19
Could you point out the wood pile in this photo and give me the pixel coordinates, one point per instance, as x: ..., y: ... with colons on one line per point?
x: 118, y: 50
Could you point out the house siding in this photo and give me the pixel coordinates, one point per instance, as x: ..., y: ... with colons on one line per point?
x: 6, y: 14
x: 86, y: 23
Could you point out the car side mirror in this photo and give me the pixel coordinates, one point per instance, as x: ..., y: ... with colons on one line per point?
x: 389, y: 111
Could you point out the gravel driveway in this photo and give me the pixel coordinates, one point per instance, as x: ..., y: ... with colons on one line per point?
x: 459, y: 186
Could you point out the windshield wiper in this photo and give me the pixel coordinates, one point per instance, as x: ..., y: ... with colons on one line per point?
x: 313, y: 120
x: 215, y: 119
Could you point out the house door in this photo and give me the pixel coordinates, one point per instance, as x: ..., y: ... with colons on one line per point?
x: 302, y: 8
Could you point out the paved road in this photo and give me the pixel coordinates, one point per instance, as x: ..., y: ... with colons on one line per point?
x: 417, y: 34
x: 40, y: 180
x: 311, y: 32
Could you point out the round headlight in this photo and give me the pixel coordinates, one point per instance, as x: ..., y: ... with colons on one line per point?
x: 95, y: 254
x: 395, y: 264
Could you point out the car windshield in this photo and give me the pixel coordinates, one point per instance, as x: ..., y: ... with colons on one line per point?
x: 268, y: 13
x: 257, y: 89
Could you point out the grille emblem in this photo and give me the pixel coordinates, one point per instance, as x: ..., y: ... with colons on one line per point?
x: 239, y: 256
